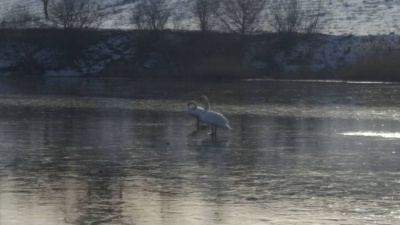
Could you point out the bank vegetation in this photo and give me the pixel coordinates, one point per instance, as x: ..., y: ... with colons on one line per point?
x: 227, y: 39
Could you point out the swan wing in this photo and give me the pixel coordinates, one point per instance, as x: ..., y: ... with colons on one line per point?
x: 215, y: 119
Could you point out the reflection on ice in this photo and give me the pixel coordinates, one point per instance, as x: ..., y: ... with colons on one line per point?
x: 373, y: 134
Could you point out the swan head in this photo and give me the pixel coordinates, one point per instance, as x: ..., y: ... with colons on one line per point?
x: 203, y: 98
x: 192, y: 104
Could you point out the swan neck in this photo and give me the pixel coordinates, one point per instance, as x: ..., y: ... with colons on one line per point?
x: 207, y: 107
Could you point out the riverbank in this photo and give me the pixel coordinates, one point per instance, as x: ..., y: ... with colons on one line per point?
x: 184, y: 54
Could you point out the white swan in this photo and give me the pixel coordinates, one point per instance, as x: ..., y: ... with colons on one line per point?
x: 194, y: 111
x: 214, y: 119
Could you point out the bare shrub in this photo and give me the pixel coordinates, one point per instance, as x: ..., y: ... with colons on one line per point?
x: 241, y: 16
x: 76, y: 14
x: 205, y: 13
x: 179, y: 15
x: 294, y: 16
x: 151, y: 15
x: 295, y: 20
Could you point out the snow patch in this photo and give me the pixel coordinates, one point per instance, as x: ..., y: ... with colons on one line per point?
x: 5, y: 63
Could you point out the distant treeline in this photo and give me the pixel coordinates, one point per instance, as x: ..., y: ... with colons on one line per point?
x: 242, y: 17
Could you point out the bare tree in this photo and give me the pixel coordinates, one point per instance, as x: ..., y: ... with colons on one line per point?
x: 179, y: 15
x: 293, y: 16
x: 45, y: 8
x: 312, y: 22
x: 76, y: 14
x: 151, y: 14
x: 18, y: 17
x: 205, y: 13
x: 241, y: 16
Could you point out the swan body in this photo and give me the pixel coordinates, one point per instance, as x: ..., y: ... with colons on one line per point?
x: 212, y: 118
x: 194, y: 111
x: 215, y: 119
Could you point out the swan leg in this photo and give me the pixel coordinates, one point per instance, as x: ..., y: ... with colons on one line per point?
x: 214, y: 136
x: 212, y: 131
x: 198, y: 123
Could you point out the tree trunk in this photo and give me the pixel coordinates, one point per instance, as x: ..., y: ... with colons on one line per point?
x: 45, y: 7
x: 46, y: 13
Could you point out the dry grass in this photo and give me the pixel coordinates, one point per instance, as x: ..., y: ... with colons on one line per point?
x: 193, y: 55
x: 216, y: 67
x: 373, y: 69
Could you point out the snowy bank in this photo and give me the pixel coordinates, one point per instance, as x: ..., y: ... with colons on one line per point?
x: 133, y: 49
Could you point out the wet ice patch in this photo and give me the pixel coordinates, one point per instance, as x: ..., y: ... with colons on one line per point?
x: 373, y: 134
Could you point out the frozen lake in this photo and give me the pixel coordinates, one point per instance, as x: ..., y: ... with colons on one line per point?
x: 87, y: 151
